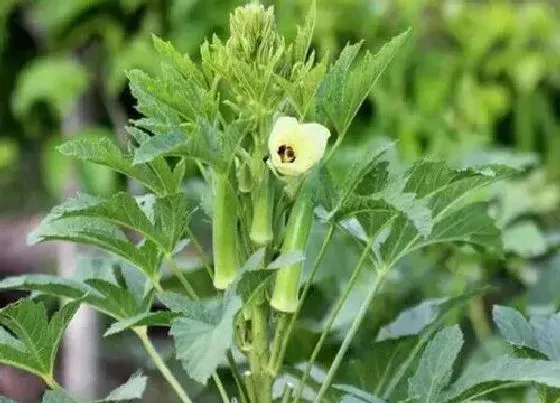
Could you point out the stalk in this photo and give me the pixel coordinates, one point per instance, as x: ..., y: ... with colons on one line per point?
x: 351, y: 333
x: 224, y: 231
x: 330, y: 320
x: 261, y: 226
x: 259, y: 355
x: 285, y: 295
x: 524, y: 130
x: 160, y: 364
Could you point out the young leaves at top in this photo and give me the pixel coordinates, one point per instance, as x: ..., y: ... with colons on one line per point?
x: 343, y: 89
x: 33, y: 340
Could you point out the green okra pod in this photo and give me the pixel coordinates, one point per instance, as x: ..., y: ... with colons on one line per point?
x: 224, y: 231
x: 285, y: 295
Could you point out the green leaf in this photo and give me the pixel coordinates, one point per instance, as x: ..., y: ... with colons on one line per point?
x: 287, y: 259
x: 162, y: 318
x: 547, y: 334
x: 203, y: 332
x: 514, y: 327
x: 36, y: 338
x: 102, y: 234
x: 47, y: 284
x: 343, y: 90
x: 482, y: 379
x: 435, y: 367
x: 104, y: 151
x: 432, y: 325
x: 131, y: 390
x: 57, y: 396
x: 379, y: 361
x: 40, y: 81
x: 305, y: 34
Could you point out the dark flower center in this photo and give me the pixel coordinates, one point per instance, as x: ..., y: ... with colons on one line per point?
x: 286, y: 153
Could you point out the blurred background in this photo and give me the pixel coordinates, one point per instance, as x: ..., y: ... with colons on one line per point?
x: 479, y: 82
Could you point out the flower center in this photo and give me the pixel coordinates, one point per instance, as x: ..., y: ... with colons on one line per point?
x: 286, y: 153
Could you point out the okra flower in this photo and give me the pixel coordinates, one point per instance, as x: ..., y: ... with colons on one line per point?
x: 295, y: 147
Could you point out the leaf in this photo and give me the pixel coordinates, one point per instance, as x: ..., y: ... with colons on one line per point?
x: 286, y: 260
x: 379, y: 361
x: 104, y: 151
x: 40, y: 81
x: 304, y: 34
x: 547, y: 334
x: 447, y: 306
x: 132, y: 389
x: 203, y: 332
x: 47, y: 284
x: 482, y: 379
x: 525, y: 239
x: 413, y: 320
x: 99, y: 233
x: 342, y: 91
x: 254, y: 261
x: 57, y: 396
x: 162, y: 318
x: 514, y: 327
x: 37, y: 338
x: 435, y: 367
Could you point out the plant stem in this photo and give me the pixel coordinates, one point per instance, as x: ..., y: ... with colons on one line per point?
x: 52, y: 383
x: 278, y: 354
x: 184, y: 282
x: 220, y: 386
x: 259, y: 355
x: 351, y: 333
x: 200, y: 251
x: 330, y: 320
x: 160, y: 364
x: 237, y: 377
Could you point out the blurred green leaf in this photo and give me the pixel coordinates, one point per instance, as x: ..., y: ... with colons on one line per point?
x: 514, y: 327
x: 435, y: 367
x: 57, y: 81
x: 502, y: 371
x: 163, y: 318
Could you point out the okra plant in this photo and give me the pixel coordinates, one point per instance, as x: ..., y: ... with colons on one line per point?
x: 263, y: 119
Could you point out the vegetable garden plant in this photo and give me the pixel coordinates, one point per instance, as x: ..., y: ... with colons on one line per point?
x: 263, y: 119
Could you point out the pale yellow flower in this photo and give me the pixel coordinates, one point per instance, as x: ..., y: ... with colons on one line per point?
x: 294, y: 148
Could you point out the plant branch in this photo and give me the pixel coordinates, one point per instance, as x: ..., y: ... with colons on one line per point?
x: 200, y: 251
x: 52, y: 383
x: 160, y: 364
x: 237, y: 377
x: 184, y: 282
x: 351, y: 333
x: 332, y: 316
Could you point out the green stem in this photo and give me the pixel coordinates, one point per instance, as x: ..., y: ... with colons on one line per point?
x: 52, y: 383
x: 201, y: 252
x: 351, y: 333
x: 220, y: 386
x: 160, y: 364
x: 282, y: 340
x: 224, y: 231
x: 330, y: 320
x: 524, y: 132
x: 259, y: 355
x: 184, y: 282
x: 237, y: 377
